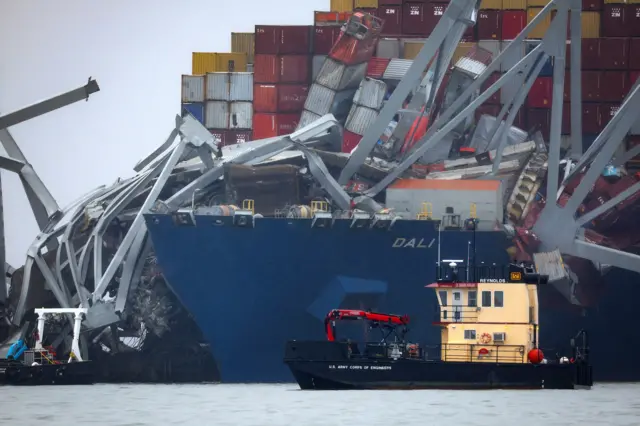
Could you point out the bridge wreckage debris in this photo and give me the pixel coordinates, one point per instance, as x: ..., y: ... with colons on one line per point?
x: 96, y: 254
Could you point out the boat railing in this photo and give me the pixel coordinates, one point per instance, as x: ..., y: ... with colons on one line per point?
x: 456, y: 313
x: 452, y: 352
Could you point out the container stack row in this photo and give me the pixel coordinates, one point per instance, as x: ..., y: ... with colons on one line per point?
x: 219, y: 91
x: 282, y: 76
x: 610, y: 55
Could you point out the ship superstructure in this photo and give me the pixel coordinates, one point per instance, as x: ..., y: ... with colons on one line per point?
x: 182, y: 196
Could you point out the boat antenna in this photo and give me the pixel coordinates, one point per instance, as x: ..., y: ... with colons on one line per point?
x: 468, y: 259
x: 439, y: 235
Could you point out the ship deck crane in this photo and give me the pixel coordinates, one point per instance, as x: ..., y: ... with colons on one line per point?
x: 376, y: 320
x: 194, y: 141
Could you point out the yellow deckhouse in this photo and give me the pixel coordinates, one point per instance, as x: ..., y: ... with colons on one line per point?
x: 492, y: 320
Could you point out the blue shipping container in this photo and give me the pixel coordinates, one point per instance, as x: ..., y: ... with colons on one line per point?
x: 547, y: 69
x: 196, y: 109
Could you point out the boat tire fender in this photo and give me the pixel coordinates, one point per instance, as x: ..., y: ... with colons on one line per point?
x: 485, y: 338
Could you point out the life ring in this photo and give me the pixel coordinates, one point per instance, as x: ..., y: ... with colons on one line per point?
x: 485, y: 338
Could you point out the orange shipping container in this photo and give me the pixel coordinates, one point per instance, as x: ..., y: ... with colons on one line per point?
x: 539, y: 30
x: 341, y: 5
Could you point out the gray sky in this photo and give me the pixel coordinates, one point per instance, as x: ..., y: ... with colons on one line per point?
x: 136, y: 50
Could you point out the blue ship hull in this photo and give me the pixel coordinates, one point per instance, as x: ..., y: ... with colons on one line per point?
x: 252, y: 289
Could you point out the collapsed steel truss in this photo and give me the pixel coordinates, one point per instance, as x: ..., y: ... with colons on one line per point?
x: 557, y: 227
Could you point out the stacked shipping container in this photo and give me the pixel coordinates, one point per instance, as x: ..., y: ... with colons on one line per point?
x: 610, y: 54
x: 288, y: 59
x: 282, y: 75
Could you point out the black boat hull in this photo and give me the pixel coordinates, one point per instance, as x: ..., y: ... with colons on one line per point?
x: 75, y: 373
x: 326, y: 371
x: 406, y: 374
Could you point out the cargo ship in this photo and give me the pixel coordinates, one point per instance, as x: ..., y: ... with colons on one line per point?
x: 278, y: 277
x: 258, y: 248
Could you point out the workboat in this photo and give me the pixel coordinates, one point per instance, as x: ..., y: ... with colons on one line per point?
x: 39, y: 365
x: 489, y: 340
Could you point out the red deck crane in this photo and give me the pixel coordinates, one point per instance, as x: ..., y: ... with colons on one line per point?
x: 377, y: 319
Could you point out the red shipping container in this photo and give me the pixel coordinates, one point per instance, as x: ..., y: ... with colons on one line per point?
x: 352, y: 51
x: 495, y: 98
x: 271, y: 125
x: 392, y: 16
x: 614, y: 86
x: 324, y: 39
x: 591, y: 85
x: 287, y: 123
x: 632, y: 17
x: 607, y: 111
x: 485, y: 109
x: 296, y: 40
x: 489, y: 24
x: 614, y: 22
x: 413, y: 19
x: 267, y: 39
x: 238, y: 136
x: 593, y: 5
x: 591, y: 124
x: 377, y: 67
x: 633, y: 77
x: 291, y: 97
x: 432, y: 14
x: 295, y: 69
x: 539, y: 119
x: 588, y: 111
x: 614, y: 53
x: 634, y: 54
x: 219, y: 136
x: 273, y: 98
x: 590, y: 59
x: 282, y: 69
x: 541, y: 93
x: 266, y: 68
x: 513, y: 22
x: 349, y: 141
x: 265, y: 98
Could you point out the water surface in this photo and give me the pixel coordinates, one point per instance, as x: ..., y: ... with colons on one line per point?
x: 274, y: 405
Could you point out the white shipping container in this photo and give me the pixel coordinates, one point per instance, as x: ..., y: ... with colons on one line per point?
x: 371, y: 93
x: 360, y: 118
x: 397, y: 69
x: 389, y: 48
x: 322, y: 100
x: 511, y: 59
x: 241, y: 86
x: 218, y: 86
x: 316, y: 65
x: 192, y: 88
x: 307, y: 118
x: 337, y: 76
x: 216, y: 115
x: 241, y: 115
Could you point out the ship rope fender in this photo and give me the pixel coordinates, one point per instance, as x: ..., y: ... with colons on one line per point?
x: 485, y: 338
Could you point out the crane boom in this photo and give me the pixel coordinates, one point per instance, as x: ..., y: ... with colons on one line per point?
x: 378, y: 319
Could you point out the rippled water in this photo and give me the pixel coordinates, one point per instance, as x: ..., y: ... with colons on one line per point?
x: 271, y: 405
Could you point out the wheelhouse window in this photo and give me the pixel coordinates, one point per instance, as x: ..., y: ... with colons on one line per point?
x: 486, y: 299
x: 443, y: 297
x: 470, y: 335
x: 498, y: 299
x: 473, y: 299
